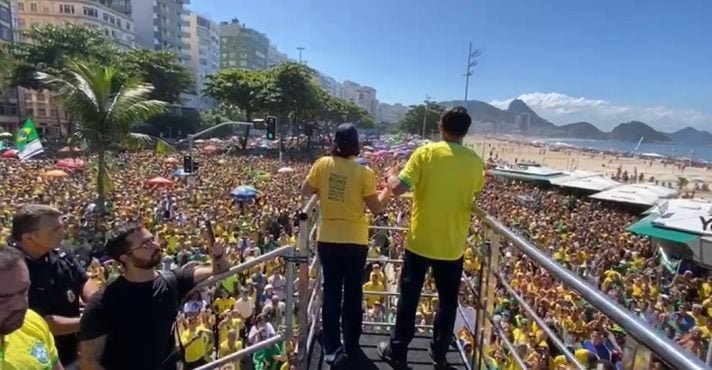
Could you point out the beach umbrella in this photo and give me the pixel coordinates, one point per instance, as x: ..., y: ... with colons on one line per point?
x: 8, y: 154
x: 180, y: 173
x: 159, y: 181
x: 211, y: 149
x: 171, y: 160
x: 70, y: 164
x: 244, y: 192
x: 5, y: 135
x: 69, y: 149
x: 362, y: 161
x: 285, y: 170
x: 199, y: 141
x: 55, y: 174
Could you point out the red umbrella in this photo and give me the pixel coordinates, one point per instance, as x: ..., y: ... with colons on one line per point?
x: 159, y: 181
x: 171, y: 160
x: 11, y: 153
x: 211, y: 149
x: 70, y: 164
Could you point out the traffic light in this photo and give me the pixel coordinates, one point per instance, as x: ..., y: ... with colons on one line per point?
x: 189, y: 164
x: 271, y: 123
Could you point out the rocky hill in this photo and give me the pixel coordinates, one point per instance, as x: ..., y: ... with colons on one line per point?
x: 689, y: 135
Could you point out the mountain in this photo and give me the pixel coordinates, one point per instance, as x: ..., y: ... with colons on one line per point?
x: 520, y: 119
x: 582, y: 130
x: 689, y: 135
x: 632, y: 131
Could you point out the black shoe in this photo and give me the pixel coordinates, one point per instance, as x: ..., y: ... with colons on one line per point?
x: 384, y: 350
x: 439, y: 361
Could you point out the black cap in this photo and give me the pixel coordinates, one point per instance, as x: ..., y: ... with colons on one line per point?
x: 346, y: 140
x: 346, y: 133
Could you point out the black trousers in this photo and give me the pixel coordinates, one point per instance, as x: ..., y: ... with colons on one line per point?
x: 343, y: 266
x: 194, y: 365
x: 447, y: 276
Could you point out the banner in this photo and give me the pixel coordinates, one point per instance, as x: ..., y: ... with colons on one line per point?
x: 27, y: 141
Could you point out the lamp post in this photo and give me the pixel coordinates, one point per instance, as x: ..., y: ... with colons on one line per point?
x: 301, y: 49
x: 471, y: 63
x: 425, y: 113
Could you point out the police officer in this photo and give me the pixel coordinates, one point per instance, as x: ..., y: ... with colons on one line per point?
x: 57, y: 279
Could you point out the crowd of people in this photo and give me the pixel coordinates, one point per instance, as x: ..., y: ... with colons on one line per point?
x: 585, y: 236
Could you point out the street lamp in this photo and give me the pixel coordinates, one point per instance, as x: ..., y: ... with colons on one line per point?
x: 425, y: 113
x: 301, y: 49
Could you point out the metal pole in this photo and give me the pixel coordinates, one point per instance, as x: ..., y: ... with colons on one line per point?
x: 303, y: 288
x: 425, y: 114
x: 468, y: 73
x: 300, y: 48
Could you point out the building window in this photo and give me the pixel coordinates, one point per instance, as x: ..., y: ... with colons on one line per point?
x: 30, y: 112
x: 41, y: 112
x: 5, y: 33
x: 91, y: 12
x: 21, y: 7
x: 66, y: 9
x: 33, y: 7
x: 53, y: 113
x: 5, y: 14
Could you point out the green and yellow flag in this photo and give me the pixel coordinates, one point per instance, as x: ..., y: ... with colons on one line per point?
x: 27, y: 141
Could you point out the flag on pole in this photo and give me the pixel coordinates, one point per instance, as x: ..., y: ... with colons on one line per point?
x: 27, y: 141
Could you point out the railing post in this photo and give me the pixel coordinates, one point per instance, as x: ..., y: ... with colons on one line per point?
x: 303, y: 288
x: 289, y: 297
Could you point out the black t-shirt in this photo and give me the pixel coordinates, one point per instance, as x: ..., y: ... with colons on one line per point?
x: 57, y: 283
x: 137, y: 319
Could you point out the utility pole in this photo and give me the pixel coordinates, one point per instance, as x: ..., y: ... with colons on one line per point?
x: 301, y: 49
x: 471, y: 63
x: 425, y: 113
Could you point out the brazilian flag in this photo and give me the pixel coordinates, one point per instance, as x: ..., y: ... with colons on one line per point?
x: 27, y: 141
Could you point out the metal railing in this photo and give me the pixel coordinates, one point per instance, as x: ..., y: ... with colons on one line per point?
x: 641, y: 340
x: 287, y: 333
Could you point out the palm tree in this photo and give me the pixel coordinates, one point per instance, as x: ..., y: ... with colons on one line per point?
x: 106, y: 107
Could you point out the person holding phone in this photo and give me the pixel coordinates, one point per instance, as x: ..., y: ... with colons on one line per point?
x: 130, y: 323
x: 343, y: 187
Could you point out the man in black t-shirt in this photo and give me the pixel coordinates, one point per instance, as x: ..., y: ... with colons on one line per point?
x: 130, y: 324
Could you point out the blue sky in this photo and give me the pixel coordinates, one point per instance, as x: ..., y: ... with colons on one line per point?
x: 603, y: 60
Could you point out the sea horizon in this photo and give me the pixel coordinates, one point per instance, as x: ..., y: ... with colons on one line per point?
x: 672, y: 149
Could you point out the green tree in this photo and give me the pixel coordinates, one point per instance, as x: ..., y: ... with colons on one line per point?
x: 162, y: 69
x: 292, y: 92
x: 106, y: 108
x: 413, y: 120
x: 49, y: 48
x: 241, y: 88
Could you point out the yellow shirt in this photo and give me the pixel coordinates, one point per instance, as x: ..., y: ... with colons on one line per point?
x: 196, y: 343
x: 372, y: 298
x: 226, y: 350
x: 342, y: 184
x: 29, y: 348
x: 444, y: 178
x: 224, y: 304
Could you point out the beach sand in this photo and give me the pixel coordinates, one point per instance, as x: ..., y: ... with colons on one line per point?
x: 567, y: 159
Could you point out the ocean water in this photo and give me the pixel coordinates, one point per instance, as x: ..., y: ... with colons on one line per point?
x: 677, y: 150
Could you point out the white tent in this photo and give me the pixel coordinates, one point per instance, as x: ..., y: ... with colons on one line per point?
x: 681, y: 206
x: 691, y: 216
x: 595, y: 183
x: 640, y: 194
x: 575, y: 175
x: 529, y: 170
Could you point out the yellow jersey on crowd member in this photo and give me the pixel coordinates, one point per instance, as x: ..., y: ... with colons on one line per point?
x: 342, y: 184
x: 226, y: 349
x: 31, y: 347
x: 444, y: 177
x: 196, y: 342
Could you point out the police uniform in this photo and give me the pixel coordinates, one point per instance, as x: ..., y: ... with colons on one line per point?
x: 56, y: 283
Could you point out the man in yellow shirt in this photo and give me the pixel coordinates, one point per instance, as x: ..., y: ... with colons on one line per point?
x: 373, y: 285
x: 25, y: 340
x: 196, y: 341
x: 444, y: 177
x: 230, y: 345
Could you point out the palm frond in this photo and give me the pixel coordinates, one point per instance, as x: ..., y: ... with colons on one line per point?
x: 137, y: 141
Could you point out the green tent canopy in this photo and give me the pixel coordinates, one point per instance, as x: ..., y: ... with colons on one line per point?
x: 645, y: 227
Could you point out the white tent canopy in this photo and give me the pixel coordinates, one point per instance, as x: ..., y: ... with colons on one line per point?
x: 572, y: 176
x: 691, y: 216
x: 595, y: 183
x: 529, y: 170
x: 640, y: 194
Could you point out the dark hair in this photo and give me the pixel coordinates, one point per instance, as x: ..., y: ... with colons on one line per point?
x: 345, y: 150
x: 27, y: 219
x: 118, y: 244
x: 9, y: 257
x: 455, y: 121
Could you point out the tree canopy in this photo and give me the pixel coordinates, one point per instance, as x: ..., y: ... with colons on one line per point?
x: 413, y: 120
x: 51, y: 48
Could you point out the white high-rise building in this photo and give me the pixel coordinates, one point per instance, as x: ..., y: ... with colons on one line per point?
x: 159, y: 24
x: 203, y: 40
x: 275, y: 56
x: 363, y: 96
x: 329, y: 84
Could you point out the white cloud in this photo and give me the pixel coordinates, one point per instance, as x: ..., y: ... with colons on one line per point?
x: 561, y: 108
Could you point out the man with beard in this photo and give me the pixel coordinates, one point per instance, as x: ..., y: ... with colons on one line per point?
x: 130, y: 324
x: 25, y: 340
